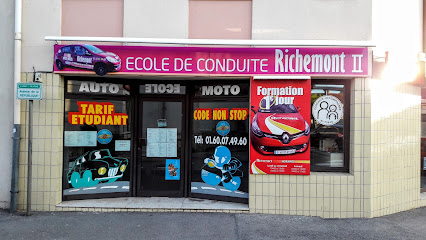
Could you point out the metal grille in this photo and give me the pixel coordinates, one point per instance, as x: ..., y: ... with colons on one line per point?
x: 112, y: 172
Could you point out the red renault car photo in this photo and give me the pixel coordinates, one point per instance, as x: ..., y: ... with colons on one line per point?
x: 87, y: 56
x: 278, y: 129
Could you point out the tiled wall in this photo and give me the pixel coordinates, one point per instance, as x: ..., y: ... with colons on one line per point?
x: 47, y: 146
x: 395, y: 147
x: 384, y: 173
x: 329, y: 195
x: 384, y: 159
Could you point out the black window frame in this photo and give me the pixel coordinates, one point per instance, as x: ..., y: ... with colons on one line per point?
x: 346, y: 128
x: 216, y: 98
x: 101, y: 97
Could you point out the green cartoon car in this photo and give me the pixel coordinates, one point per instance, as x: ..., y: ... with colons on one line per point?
x: 96, y: 166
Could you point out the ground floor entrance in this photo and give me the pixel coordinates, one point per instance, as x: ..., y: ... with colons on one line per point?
x: 156, y: 139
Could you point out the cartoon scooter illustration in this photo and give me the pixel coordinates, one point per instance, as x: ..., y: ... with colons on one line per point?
x: 222, y: 168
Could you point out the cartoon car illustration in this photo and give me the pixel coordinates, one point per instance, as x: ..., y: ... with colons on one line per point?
x: 278, y: 128
x: 87, y: 56
x: 96, y: 166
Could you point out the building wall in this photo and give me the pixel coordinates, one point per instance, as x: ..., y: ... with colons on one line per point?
x: 395, y: 144
x: 396, y: 107
x: 37, y: 23
x: 6, y: 98
x: 48, y: 119
x: 384, y: 129
x: 324, y: 194
x: 312, y: 20
x: 300, y: 20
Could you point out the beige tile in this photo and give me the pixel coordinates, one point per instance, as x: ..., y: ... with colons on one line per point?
x: 293, y: 204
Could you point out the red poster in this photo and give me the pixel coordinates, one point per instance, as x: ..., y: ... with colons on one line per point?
x: 280, y: 126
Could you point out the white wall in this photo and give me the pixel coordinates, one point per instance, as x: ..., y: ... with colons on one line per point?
x: 312, y: 20
x: 397, y: 29
x: 41, y: 18
x: 155, y: 18
x: 6, y: 98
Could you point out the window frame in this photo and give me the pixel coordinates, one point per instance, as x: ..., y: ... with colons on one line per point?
x: 98, y: 97
x: 346, y: 128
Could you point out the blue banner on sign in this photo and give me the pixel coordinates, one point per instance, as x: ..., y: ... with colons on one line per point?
x: 172, y: 169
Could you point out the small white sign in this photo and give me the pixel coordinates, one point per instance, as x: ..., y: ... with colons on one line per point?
x: 161, y: 142
x: 29, y: 91
x: 80, y: 139
x: 122, y: 145
x: 327, y: 110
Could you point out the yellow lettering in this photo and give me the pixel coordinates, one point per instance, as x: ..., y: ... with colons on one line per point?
x: 83, y: 107
x: 89, y: 119
x: 110, y: 109
x: 74, y: 119
x: 109, y: 120
x: 81, y: 119
x: 117, y: 120
x: 124, y: 119
x: 90, y: 109
x: 97, y: 120
x: 99, y: 109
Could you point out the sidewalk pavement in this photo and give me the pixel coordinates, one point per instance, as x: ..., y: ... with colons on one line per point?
x: 181, y: 225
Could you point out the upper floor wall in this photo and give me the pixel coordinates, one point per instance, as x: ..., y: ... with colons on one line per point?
x: 312, y: 20
x: 272, y: 19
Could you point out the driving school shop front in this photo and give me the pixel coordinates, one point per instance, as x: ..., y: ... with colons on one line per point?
x: 278, y: 129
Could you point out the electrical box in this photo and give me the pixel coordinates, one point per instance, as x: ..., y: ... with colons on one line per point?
x: 37, y: 78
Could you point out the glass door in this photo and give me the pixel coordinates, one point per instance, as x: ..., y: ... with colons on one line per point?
x: 161, y: 146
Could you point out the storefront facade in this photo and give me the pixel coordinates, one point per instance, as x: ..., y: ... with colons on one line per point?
x: 299, y: 129
x: 191, y: 138
x: 254, y: 139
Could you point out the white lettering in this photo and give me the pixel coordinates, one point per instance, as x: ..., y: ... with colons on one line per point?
x: 128, y: 63
x: 177, y: 62
x: 279, y: 67
x: 84, y: 87
x: 357, y: 64
x: 99, y: 87
x: 164, y: 64
x: 84, y: 59
x: 219, y: 90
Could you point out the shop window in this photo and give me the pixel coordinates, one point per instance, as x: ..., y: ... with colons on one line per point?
x: 220, y: 141
x: 97, y: 140
x: 330, y: 126
x: 219, y: 19
x: 423, y: 152
x: 423, y: 144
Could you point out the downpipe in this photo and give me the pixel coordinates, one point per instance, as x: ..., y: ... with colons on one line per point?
x: 15, y: 168
x: 16, y: 109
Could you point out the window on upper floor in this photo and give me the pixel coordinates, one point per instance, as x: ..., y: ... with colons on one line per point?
x: 94, y: 18
x: 220, y: 19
